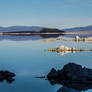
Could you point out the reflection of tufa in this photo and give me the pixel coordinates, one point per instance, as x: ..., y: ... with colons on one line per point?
x: 65, y: 50
x: 49, y: 40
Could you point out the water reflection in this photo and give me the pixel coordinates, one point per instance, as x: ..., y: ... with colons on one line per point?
x: 32, y: 37
x: 73, y: 87
x: 65, y: 52
x: 67, y: 89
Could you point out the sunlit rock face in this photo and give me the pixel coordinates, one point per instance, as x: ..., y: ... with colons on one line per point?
x: 62, y: 47
x: 77, y: 38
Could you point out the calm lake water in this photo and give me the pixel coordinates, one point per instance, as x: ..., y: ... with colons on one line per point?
x: 28, y: 59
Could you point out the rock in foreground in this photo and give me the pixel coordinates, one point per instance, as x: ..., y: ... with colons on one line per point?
x: 71, y: 73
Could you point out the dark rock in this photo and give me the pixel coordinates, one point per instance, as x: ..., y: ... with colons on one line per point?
x: 8, y: 76
x: 71, y: 72
x: 52, y: 74
x: 72, y: 77
x: 40, y: 77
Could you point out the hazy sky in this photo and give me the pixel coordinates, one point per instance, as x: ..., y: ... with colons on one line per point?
x: 48, y: 13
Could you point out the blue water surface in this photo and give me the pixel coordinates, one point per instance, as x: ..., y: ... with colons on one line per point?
x: 29, y: 59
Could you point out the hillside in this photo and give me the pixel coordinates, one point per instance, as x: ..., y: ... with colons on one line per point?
x: 19, y: 28
x: 86, y: 28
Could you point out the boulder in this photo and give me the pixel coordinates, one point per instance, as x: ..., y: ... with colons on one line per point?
x: 6, y: 75
x: 71, y: 72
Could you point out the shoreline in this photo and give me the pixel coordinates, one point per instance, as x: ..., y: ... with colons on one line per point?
x: 45, y: 33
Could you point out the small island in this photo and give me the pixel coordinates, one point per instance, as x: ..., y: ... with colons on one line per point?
x: 43, y: 31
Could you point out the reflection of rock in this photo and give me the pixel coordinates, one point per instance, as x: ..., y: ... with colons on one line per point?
x: 64, y: 52
x: 67, y: 89
x: 30, y: 37
x: 8, y: 76
x: 73, y: 76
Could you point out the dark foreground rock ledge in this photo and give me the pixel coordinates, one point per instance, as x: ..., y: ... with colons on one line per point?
x: 6, y: 75
x: 71, y: 73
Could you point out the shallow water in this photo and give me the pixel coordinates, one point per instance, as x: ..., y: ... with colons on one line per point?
x: 28, y: 59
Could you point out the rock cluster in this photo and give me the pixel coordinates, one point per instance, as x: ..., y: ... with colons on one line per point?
x: 8, y: 76
x: 70, y: 73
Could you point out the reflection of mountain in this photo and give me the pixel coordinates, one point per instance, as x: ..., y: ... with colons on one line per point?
x: 50, y: 35
x: 28, y: 33
x: 20, y: 38
x: 33, y: 37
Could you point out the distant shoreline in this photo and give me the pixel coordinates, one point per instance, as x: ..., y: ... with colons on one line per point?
x: 45, y: 33
x: 79, y: 32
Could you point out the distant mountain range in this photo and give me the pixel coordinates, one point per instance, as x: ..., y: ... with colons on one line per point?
x: 20, y: 28
x: 36, y: 28
x: 86, y: 28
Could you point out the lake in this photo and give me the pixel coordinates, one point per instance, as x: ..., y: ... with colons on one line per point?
x: 28, y: 58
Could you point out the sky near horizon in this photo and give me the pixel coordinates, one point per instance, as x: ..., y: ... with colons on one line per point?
x: 47, y: 13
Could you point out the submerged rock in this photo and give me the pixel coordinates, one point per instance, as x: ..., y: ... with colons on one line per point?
x: 71, y: 73
x: 8, y: 76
